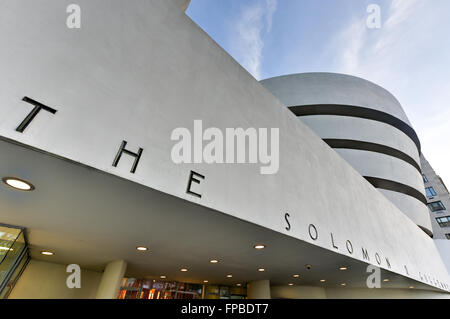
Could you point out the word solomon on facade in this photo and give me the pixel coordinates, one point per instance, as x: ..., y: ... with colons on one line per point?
x: 363, y: 253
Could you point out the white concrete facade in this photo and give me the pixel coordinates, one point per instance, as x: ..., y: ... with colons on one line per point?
x: 329, y: 126
x: 106, y: 93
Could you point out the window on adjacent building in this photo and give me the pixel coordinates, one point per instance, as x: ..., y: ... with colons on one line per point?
x: 425, y: 179
x: 430, y: 192
x: 447, y: 236
x: 436, y: 206
x: 443, y: 221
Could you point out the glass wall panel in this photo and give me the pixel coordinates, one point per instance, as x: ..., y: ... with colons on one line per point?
x: 152, y: 289
x: 13, y: 257
x: 8, y: 236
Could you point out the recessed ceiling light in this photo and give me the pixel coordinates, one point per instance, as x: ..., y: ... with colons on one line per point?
x: 290, y: 284
x: 183, y: 269
x: 47, y: 253
x: 163, y: 277
x: 296, y: 276
x: 259, y: 246
x: 261, y: 270
x: 308, y: 266
x: 386, y: 280
x: 411, y: 287
x: 343, y: 268
x: 322, y: 280
x: 142, y: 248
x: 229, y: 276
x: 18, y: 184
x: 205, y: 281
x: 238, y: 285
x: 213, y: 261
x: 343, y: 284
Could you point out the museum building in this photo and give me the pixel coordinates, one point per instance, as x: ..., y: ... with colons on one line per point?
x: 88, y: 178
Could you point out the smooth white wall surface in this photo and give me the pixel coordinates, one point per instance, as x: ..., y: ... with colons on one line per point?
x: 409, y: 204
x: 298, y: 292
x: 183, y: 4
x: 306, y: 292
x: 258, y: 289
x: 443, y: 246
x: 343, y: 127
x: 332, y: 88
x: 135, y: 71
x: 386, y: 167
x: 361, y: 293
x: 45, y: 280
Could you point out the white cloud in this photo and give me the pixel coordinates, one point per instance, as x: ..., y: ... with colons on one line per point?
x: 399, y: 11
x: 354, y: 38
x: 250, y: 43
x: 271, y: 8
x: 372, y: 52
x: 247, y: 43
x: 409, y: 56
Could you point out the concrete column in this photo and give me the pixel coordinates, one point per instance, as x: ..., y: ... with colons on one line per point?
x: 258, y: 289
x: 111, y: 279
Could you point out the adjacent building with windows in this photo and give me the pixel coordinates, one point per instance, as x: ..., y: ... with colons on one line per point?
x: 87, y: 121
x: 438, y: 201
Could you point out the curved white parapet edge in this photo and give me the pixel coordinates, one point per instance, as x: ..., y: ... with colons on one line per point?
x: 333, y: 88
x: 352, y: 128
x: 383, y: 166
x: 412, y: 207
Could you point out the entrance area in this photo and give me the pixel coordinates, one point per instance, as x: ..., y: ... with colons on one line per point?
x: 153, y: 289
x: 13, y: 257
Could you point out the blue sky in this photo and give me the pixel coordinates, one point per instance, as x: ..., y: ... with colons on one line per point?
x: 409, y: 55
